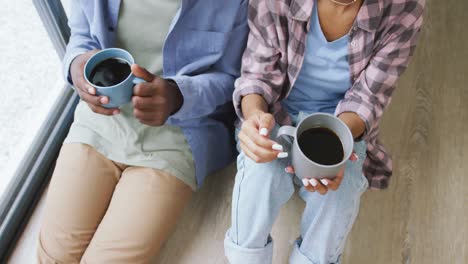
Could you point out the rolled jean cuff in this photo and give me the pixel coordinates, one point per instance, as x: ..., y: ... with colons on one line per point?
x: 237, y: 254
x: 297, y: 257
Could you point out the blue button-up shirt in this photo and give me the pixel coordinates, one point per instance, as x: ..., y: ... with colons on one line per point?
x: 202, y: 55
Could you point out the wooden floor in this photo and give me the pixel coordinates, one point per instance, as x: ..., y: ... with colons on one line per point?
x: 421, y: 218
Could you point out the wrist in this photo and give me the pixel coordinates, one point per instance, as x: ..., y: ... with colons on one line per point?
x: 253, y: 104
x: 254, y: 112
x: 75, y: 64
x: 78, y: 62
x: 354, y: 123
x: 178, y: 98
x: 75, y: 71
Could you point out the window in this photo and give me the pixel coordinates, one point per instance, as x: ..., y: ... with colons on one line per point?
x: 36, y: 107
x: 31, y: 82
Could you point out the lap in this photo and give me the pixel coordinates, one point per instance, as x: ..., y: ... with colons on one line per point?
x: 90, y: 195
x: 81, y: 187
x: 77, y: 198
x: 144, y: 209
x: 271, y: 176
x: 268, y: 172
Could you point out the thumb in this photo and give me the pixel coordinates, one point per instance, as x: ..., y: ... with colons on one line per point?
x: 141, y: 72
x: 266, y: 124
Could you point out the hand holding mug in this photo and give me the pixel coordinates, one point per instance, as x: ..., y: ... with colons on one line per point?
x: 324, y: 185
x: 87, y: 92
x: 255, y: 141
x: 156, y: 99
x: 322, y: 145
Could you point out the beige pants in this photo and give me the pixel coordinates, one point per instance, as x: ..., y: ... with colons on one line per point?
x: 99, y: 211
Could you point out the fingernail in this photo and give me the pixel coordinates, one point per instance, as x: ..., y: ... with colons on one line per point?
x: 355, y: 157
x: 90, y: 90
x: 314, y: 182
x: 305, y: 182
x: 263, y: 131
x: 324, y: 182
x: 115, y: 112
x: 282, y: 155
x: 277, y: 147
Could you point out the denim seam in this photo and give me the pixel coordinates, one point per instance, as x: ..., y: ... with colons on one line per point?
x: 238, y: 199
x: 363, y: 155
x: 347, y: 229
x: 340, y: 242
x: 311, y: 224
x: 361, y: 188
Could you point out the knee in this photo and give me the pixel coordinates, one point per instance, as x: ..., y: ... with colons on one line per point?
x: 49, y: 252
x: 56, y: 247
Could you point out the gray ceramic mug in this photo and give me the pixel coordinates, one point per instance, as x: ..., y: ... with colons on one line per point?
x: 306, y: 168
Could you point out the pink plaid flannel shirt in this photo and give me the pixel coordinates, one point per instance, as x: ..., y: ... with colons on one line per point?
x: 381, y: 42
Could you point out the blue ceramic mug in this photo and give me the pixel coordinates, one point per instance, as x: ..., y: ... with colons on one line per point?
x: 120, y: 93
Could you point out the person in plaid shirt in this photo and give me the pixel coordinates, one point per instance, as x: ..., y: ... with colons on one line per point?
x: 304, y: 56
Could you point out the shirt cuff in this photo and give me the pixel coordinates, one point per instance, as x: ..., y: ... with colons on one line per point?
x: 241, y: 92
x: 365, y: 113
x: 68, y: 61
x: 188, y: 95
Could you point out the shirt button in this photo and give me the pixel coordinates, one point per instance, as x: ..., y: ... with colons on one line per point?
x: 111, y: 28
x: 353, y: 43
x: 355, y: 28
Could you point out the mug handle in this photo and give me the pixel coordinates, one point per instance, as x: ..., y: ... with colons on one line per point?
x: 286, y: 131
x: 137, y: 80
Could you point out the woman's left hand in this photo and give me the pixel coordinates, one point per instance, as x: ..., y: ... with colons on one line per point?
x: 322, y: 186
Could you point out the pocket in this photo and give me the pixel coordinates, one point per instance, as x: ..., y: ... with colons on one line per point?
x: 201, y: 47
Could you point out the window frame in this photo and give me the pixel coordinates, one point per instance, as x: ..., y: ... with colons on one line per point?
x: 36, y: 167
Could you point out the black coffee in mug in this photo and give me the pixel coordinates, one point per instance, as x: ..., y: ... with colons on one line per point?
x: 110, y: 72
x: 321, y: 145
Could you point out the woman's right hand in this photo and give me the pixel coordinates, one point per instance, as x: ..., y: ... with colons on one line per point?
x: 255, y: 141
x: 86, y: 92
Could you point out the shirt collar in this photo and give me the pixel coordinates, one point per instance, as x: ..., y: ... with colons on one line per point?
x: 368, y: 17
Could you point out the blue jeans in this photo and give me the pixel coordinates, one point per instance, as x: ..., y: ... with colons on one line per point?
x: 262, y: 188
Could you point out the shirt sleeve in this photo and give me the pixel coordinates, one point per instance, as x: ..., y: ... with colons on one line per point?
x: 371, y: 92
x: 261, y: 72
x: 80, y: 39
x: 204, y: 93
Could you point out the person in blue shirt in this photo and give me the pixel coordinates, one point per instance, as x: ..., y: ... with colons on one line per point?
x: 124, y: 175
